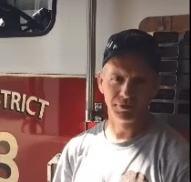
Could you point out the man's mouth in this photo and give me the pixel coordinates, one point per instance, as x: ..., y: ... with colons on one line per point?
x: 124, y: 107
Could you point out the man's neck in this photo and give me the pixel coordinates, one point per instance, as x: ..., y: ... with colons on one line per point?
x: 118, y: 131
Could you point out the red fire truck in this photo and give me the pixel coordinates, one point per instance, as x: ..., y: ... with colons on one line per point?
x: 50, y: 52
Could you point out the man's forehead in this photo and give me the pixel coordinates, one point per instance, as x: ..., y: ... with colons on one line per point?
x: 124, y: 65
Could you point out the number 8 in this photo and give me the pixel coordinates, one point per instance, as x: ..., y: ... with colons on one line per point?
x: 8, y: 158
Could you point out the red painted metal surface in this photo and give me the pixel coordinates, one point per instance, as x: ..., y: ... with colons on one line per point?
x: 40, y: 139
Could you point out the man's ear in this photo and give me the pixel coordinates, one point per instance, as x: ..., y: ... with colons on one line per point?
x: 100, y: 81
x: 156, y: 85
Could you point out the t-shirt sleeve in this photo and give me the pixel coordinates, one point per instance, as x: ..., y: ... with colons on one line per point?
x: 175, y: 160
x: 63, y: 170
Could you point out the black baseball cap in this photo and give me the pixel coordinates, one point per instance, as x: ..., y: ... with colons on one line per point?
x: 137, y: 41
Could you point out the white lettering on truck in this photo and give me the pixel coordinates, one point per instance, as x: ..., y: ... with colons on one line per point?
x: 20, y: 103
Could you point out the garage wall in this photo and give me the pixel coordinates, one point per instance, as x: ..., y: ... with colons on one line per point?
x: 64, y: 49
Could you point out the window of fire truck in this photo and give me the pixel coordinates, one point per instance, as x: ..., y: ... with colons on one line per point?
x: 25, y: 18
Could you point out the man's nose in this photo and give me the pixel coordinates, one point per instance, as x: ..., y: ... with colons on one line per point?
x: 128, y: 90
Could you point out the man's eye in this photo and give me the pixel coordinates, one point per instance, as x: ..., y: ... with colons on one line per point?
x: 117, y: 79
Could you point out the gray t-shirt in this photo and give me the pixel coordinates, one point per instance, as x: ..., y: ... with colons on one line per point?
x: 158, y: 155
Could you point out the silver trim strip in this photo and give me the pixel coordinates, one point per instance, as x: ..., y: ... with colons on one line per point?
x: 42, y: 75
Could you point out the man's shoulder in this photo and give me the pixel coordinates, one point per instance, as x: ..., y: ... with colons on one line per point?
x: 172, y: 150
x: 92, y: 132
x: 172, y: 146
x: 85, y: 138
x: 168, y: 133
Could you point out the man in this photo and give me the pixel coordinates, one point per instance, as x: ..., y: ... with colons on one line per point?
x: 130, y: 145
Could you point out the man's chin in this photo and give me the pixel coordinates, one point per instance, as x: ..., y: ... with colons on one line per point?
x: 125, y: 117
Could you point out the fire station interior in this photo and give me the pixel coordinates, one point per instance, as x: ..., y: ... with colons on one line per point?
x: 43, y: 73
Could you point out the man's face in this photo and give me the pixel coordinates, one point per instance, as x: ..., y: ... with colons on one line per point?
x: 128, y: 85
